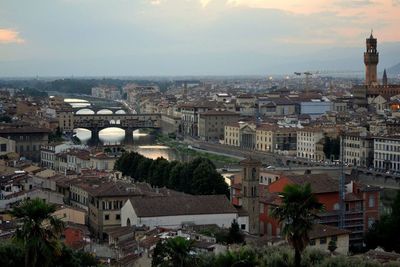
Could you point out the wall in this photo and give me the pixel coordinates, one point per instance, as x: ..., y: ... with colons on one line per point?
x: 6, y: 146
x: 342, y: 244
x: 222, y: 220
x: 71, y: 215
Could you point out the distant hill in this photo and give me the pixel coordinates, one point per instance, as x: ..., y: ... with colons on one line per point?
x: 394, y: 70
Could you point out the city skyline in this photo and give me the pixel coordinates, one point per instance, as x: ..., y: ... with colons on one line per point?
x: 197, y: 37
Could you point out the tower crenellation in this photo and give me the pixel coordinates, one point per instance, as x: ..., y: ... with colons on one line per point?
x: 371, y: 60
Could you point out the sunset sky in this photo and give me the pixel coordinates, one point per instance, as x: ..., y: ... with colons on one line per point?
x: 192, y: 37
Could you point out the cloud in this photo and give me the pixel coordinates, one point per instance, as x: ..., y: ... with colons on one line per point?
x: 8, y: 36
x: 354, y: 3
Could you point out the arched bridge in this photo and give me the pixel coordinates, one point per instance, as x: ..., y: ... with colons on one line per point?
x: 96, y: 109
x: 128, y: 122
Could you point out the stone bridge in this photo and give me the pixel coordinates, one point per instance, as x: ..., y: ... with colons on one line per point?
x: 96, y: 109
x: 128, y: 122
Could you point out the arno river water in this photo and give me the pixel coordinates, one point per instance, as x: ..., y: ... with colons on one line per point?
x: 143, y: 143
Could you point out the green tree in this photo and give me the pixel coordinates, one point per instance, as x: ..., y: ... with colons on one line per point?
x: 331, y: 147
x: 297, y: 214
x: 332, y: 246
x: 5, y: 118
x: 71, y: 258
x: 39, y: 232
x: 235, y: 236
x: 11, y: 255
x: 173, y: 252
x: 386, y: 232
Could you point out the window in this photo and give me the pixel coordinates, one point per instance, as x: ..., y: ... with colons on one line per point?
x: 322, y: 240
x: 3, y: 147
x: 370, y: 222
x: 336, y: 206
x: 371, y: 201
x: 243, y: 226
x: 312, y: 242
x: 118, y: 217
x: 106, y: 217
x: 334, y: 238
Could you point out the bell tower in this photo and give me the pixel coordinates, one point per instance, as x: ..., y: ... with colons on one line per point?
x: 371, y: 59
x: 250, y: 194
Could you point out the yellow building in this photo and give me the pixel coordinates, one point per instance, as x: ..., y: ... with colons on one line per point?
x: 321, y: 235
x: 71, y: 214
x: 65, y: 117
x: 262, y: 137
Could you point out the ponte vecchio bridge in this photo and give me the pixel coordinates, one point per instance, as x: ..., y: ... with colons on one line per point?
x: 129, y: 122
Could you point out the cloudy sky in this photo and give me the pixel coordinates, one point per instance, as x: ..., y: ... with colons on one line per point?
x: 192, y: 37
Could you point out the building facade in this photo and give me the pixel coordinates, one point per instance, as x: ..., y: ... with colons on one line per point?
x: 212, y: 124
x: 263, y: 137
x: 387, y: 154
x: 6, y: 146
x: 358, y: 149
x: 28, y: 140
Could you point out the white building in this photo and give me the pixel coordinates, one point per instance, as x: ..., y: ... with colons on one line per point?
x: 358, y: 149
x: 48, y: 153
x: 173, y: 211
x: 6, y: 146
x: 307, y: 140
x: 387, y: 153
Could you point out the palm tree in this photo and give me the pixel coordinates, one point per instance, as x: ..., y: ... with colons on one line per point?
x: 38, y: 232
x: 173, y: 252
x: 178, y: 250
x: 297, y: 213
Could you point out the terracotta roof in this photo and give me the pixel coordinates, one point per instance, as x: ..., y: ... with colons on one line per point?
x: 120, y: 231
x: 25, y: 130
x: 218, y: 112
x: 320, y: 230
x: 320, y: 183
x: 182, y: 205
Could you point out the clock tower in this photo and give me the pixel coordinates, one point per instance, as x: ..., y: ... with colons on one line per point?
x: 371, y: 59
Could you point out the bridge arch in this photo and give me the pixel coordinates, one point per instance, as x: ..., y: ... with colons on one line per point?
x: 104, y: 112
x: 85, y: 111
x: 120, y: 111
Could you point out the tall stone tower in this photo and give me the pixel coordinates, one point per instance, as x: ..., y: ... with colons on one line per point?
x: 371, y: 59
x: 250, y: 194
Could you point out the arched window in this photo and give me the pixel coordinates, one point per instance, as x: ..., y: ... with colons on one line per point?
x: 128, y: 222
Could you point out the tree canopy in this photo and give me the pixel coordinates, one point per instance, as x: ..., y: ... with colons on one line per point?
x: 331, y: 147
x: 297, y: 213
x: 37, y: 240
x: 385, y: 233
x: 174, y: 252
x: 198, y: 177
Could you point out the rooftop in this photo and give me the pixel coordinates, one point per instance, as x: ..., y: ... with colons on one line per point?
x: 320, y: 230
x: 182, y: 205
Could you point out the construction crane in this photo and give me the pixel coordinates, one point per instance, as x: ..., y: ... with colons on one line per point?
x: 307, y: 85
x: 308, y: 74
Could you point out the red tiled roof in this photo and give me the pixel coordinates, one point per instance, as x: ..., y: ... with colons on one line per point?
x: 320, y: 230
x: 182, y: 205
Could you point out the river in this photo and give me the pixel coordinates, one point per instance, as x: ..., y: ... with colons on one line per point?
x: 143, y: 143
